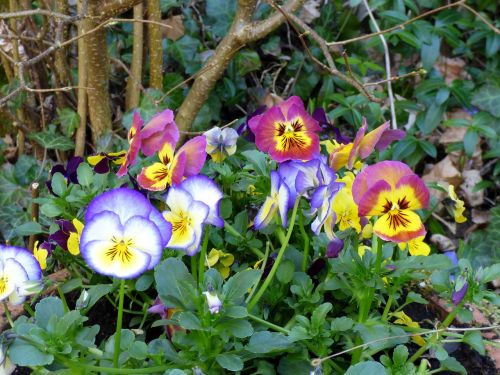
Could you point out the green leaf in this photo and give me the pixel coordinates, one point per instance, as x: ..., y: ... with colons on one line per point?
x: 475, y: 340
x: 144, y: 282
x: 452, y: 364
x: 69, y: 119
x: 415, y: 297
x: 400, y: 355
x: 430, y: 51
x: 23, y: 354
x: 29, y: 228
x: 230, y: 362
x: 238, y: 285
x: 267, y: 342
x: 189, y: 320
x: 487, y: 97
x: 247, y: 61
x: 489, y: 273
x: 138, y: 350
x: 239, y: 328
x: 175, y: 284
x: 285, y: 271
x: 342, y: 324
x: 470, y: 141
x: 370, y: 367
x: 258, y: 160
x: 84, y: 174
x: 50, y: 209
x: 47, y: 308
x: 431, y: 119
x: 95, y: 293
x: 236, y: 312
x: 319, y: 315
x: 53, y: 141
x: 220, y: 14
x: 59, y: 184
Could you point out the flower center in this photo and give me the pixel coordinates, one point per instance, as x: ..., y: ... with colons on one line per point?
x: 3, y: 284
x: 182, y: 223
x: 291, y: 135
x: 120, y: 250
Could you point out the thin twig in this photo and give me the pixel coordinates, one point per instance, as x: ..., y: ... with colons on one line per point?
x: 317, y: 361
x: 335, y: 72
x: 397, y: 78
x: 387, y: 58
x: 482, y: 18
x: 34, y: 12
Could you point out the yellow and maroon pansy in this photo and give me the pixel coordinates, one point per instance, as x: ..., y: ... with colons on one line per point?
x: 346, y: 155
x: 174, y: 166
x: 286, y: 131
x: 392, y: 192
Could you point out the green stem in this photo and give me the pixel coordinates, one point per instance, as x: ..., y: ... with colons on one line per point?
x: 119, y: 321
x: 305, y: 238
x: 277, y: 262
x: 257, y: 252
x: 281, y: 235
x: 387, y: 307
x: 269, y: 325
x: 63, y: 298
x: 262, y: 268
x: 7, y: 314
x: 28, y: 308
x: 203, y: 255
x: 229, y: 228
x: 194, y: 267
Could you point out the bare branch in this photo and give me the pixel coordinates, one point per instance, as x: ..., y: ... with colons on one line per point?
x: 387, y: 58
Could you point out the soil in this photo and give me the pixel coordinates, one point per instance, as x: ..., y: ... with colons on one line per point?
x: 474, y: 363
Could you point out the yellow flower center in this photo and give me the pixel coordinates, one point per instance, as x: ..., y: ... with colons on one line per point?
x: 120, y: 250
x: 3, y: 284
x: 182, y: 223
x: 291, y: 135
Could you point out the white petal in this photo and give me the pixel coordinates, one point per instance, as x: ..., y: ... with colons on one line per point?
x: 103, y: 227
x: 145, y: 237
x: 203, y: 189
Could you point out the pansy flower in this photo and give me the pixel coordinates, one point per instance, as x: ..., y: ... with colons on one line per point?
x: 392, y: 192
x: 69, y: 172
x: 101, y: 161
x: 221, y: 261
x: 403, y: 319
x: 286, y: 131
x: 459, y: 290
x: 68, y: 235
x: 213, y: 301
x: 455, y: 205
x: 19, y: 270
x: 124, y: 235
x: 192, y: 204
x: 342, y: 155
x: 416, y: 246
x: 174, y: 166
x: 134, y: 141
x: 221, y: 143
x: 277, y: 201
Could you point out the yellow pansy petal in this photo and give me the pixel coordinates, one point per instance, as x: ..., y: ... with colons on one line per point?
x: 95, y: 159
x: 416, y: 247
x: 78, y: 225
x: 226, y: 259
x: 362, y: 249
x: 74, y: 243
x: 399, y: 226
x: 212, y: 258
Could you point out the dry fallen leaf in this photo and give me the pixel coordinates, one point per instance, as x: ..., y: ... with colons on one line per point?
x: 443, y: 172
x: 443, y: 243
x: 452, y: 135
x: 310, y: 11
x: 176, y: 29
x: 470, y: 179
x: 451, y: 69
x: 480, y: 217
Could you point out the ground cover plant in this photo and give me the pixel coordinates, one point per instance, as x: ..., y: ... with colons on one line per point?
x: 210, y: 187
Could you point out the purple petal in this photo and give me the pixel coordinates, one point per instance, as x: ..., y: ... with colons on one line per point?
x: 102, y: 167
x: 389, y: 136
x: 334, y: 248
x: 71, y: 168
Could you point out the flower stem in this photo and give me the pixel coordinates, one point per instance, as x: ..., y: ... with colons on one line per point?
x: 305, y: 238
x: 119, y: 321
x: 268, y: 324
x: 7, y: 314
x: 203, y: 255
x: 277, y: 262
x: 387, y: 306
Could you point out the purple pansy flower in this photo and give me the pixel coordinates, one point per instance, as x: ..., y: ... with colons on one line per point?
x: 69, y: 172
x: 277, y: 201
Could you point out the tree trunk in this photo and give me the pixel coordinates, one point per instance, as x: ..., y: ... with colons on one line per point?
x: 154, y: 45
